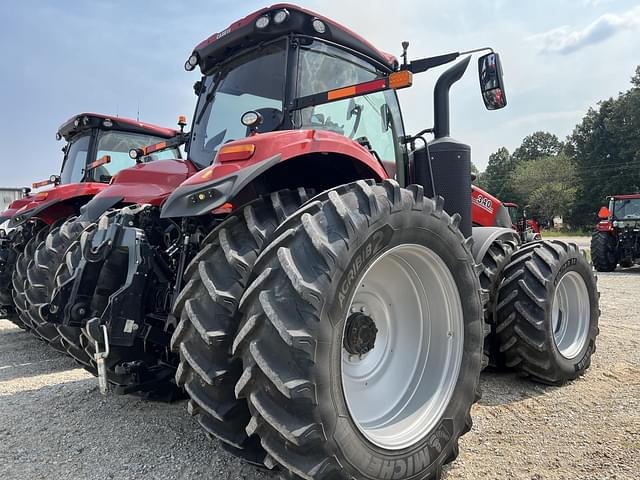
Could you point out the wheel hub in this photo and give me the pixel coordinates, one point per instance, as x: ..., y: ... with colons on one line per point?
x: 360, y: 334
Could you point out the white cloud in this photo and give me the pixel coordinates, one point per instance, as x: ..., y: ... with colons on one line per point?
x: 565, y: 40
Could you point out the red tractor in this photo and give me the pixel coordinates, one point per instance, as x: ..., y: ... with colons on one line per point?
x: 322, y: 280
x: 97, y: 149
x: 617, y: 236
x: 528, y: 229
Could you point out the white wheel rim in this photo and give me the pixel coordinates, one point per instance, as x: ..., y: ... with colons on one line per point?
x: 570, y: 315
x: 398, y: 391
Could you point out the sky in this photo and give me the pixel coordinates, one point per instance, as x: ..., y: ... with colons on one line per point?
x: 122, y: 57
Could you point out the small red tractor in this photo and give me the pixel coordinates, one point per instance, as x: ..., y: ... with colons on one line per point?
x: 616, y: 240
x: 325, y: 281
x: 528, y: 229
x: 40, y: 226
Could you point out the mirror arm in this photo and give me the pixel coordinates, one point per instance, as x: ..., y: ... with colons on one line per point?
x: 424, y: 64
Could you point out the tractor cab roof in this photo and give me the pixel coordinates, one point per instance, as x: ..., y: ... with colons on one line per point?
x: 86, y: 121
x: 262, y: 25
x: 631, y: 196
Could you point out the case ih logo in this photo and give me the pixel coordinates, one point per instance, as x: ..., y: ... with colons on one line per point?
x: 485, y: 203
x: 222, y: 33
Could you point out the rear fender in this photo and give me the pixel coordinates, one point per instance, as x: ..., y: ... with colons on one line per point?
x: 146, y: 183
x: 57, y: 202
x: 275, y: 164
x: 483, y: 237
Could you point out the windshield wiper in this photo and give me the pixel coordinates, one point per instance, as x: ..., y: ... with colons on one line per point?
x: 209, y: 98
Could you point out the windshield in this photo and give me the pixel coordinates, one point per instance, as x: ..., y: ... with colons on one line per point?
x: 75, y: 159
x: 513, y: 213
x: 117, y: 145
x: 628, y: 209
x: 253, y: 81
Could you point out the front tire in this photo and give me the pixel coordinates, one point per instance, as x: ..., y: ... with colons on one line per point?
x: 548, y: 312
x: 314, y: 315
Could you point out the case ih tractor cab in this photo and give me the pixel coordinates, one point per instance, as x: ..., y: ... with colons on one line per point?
x: 96, y: 149
x: 617, y: 236
x: 328, y: 318
x: 528, y: 229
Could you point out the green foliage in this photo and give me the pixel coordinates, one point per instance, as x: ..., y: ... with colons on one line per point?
x: 605, y: 147
x: 496, y: 179
x: 547, y: 184
x: 538, y: 144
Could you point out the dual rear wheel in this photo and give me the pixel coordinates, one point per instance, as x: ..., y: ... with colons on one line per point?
x: 357, y: 347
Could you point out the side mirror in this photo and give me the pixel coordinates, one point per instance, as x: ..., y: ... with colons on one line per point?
x: 491, y: 84
x: 604, y: 213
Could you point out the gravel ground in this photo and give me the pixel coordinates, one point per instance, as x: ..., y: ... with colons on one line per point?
x: 55, y: 424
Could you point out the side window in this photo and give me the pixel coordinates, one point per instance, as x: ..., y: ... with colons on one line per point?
x: 368, y: 119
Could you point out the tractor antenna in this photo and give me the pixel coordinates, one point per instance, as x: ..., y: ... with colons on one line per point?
x: 138, y: 114
x: 405, y: 46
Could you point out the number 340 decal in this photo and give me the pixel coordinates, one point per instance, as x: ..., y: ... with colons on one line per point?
x: 485, y: 203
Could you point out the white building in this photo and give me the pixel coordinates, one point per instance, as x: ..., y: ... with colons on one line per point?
x: 8, y: 195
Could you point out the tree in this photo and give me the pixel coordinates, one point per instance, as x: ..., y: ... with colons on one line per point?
x: 496, y: 179
x: 605, y: 147
x: 547, y: 185
x: 537, y: 145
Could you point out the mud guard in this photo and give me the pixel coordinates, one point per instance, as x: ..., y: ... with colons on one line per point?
x: 93, y: 210
x: 23, y: 217
x: 184, y: 203
x: 483, y: 237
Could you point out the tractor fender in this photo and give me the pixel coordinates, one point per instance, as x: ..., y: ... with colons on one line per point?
x: 91, y: 211
x: 483, y: 237
x: 57, y: 202
x: 217, y: 192
x: 223, y: 180
x: 146, y: 183
x: 45, y: 211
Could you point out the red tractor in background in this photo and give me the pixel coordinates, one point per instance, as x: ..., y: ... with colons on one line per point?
x: 528, y: 229
x: 616, y: 239
x: 323, y: 280
x: 96, y: 150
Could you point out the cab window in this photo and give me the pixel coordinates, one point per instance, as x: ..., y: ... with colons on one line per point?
x: 117, y: 146
x: 75, y: 159
x: 370, y: 120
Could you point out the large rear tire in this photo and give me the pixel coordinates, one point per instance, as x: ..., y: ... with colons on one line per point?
x: 548, y: 312
x: 8, y: 257
x: 206, y: 307
x: 603, y: 251
x: 20, y: 281
x: 323, y: 314
x: 47, y: 259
